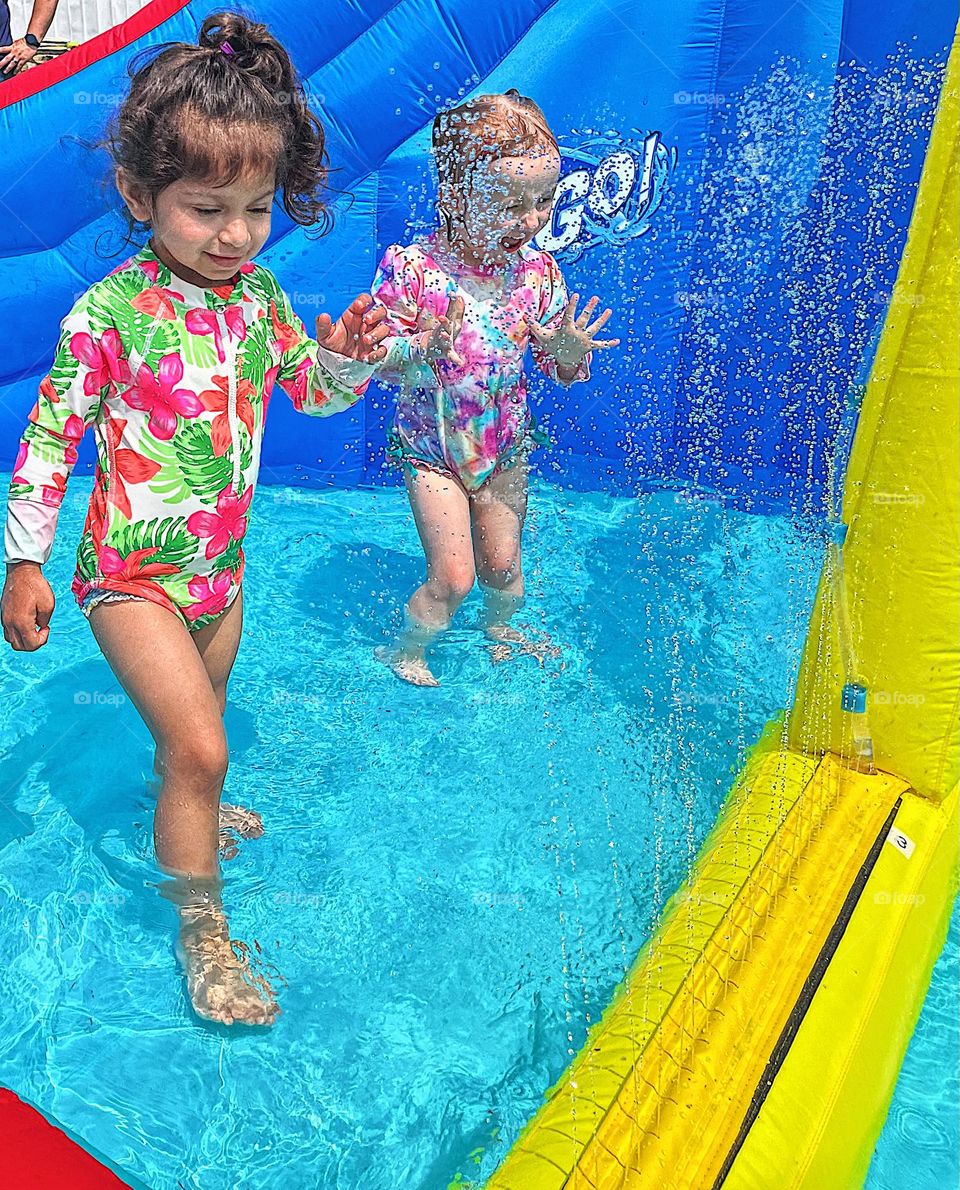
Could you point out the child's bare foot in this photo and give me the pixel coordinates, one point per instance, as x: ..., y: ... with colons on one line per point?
x: 237, y: 823
x: 408, y: 668
x: 506, y: 636
x: 220, y: 983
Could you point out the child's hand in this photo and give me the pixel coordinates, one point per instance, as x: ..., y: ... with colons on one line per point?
x: 438, y: 341
x: 569, y: 342
x: 26, y: 606
x: 358, y: 333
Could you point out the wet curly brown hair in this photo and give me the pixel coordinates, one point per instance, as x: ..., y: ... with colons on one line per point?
x: 198, y: 112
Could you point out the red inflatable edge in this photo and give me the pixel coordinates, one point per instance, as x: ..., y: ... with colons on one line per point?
x: 34, y: 1155
x: 38, y: 78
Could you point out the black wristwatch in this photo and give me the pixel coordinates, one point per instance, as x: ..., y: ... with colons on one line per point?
x: 32, y: 41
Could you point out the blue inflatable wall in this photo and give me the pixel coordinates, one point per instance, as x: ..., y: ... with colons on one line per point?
x: 738, y: 178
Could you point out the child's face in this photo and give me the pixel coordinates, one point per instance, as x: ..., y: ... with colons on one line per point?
x: 508, y: 203
x: 204, y: 232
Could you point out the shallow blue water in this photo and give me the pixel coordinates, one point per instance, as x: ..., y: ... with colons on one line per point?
x: 919, y: 1148
x: 452, y: 881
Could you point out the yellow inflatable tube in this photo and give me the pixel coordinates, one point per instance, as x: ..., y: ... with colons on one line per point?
x: 756, y: 1042
x: 755, y: 1009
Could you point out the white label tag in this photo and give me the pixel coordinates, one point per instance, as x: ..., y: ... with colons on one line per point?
x: 902, y: 842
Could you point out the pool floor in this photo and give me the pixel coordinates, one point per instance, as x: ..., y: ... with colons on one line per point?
x: 451, y: 882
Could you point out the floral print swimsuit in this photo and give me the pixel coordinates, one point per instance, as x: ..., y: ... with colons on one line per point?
x: 175, y: 379
x: 470, y: 422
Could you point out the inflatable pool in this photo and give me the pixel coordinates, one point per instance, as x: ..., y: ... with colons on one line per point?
x: 768, y: 198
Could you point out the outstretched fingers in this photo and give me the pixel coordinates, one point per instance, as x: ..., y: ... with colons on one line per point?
x: 454, y: 317
x: 444, y: 331
x: 586, y: 313
x: 604, y: 318
x: 570, y: 312
x: 376, y: 330
x: 374, y: 315
x: 373, y: 328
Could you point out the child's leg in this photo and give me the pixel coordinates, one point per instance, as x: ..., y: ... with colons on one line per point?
x: 217, y: 644
x: 497, y: 513
x: 160, y: 668
x: 441, y: 509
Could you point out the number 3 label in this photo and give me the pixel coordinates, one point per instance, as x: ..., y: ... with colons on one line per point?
x: 903, y: 843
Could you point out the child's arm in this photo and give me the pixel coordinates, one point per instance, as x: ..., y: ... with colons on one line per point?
x: 422, y: 322
x: 69, y: 400
x: 396, y: 288
x: 562, y: 343
x: 321, y: 381
x: 84, y: 369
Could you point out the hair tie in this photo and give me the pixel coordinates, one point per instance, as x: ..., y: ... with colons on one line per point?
x: 227, y: 49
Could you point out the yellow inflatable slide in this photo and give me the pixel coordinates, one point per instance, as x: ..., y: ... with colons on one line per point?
x: 756, y: 1042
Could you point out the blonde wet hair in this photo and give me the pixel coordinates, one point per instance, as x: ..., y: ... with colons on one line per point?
x: 468, y: 138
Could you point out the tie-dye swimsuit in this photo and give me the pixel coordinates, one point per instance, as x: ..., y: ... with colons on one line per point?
x: 469, y: 422
x: 175, y: 379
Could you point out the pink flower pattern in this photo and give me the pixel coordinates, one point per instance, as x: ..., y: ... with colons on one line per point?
x: 229, y: 521
x: 103, y: 359
x: 211, y: 596
x: 204, y: 322
x: 157, y: 396
x: 21, y: 459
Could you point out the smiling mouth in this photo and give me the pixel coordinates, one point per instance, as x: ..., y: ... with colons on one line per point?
x: 511, y: 245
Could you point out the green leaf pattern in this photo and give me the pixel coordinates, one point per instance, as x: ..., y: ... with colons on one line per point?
x: 171, y: 539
